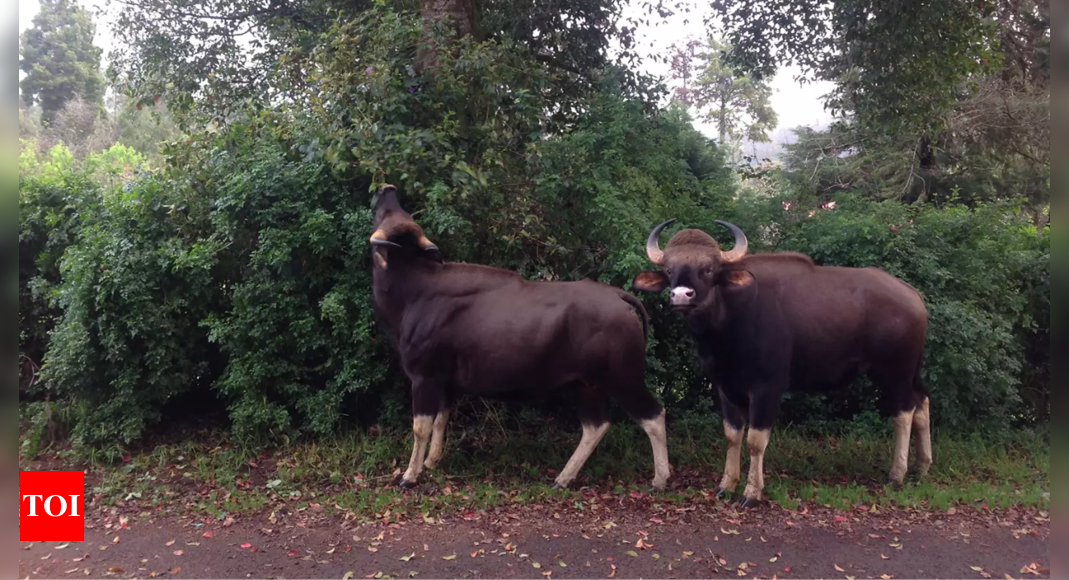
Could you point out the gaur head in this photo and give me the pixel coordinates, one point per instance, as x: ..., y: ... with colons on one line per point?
x: 693, y: 267
x: 397, y: 238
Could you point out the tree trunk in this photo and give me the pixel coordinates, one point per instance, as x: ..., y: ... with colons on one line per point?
x: 461, y: 17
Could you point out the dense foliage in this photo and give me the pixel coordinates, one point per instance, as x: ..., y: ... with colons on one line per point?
x: 238, y: 274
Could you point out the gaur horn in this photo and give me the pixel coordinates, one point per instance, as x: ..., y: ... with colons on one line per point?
x: 379, y: 239
x: 426, y: 245
x: 653, y: 244
x: 741, y: 244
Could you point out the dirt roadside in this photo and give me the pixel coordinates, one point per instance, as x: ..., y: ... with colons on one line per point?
x: 620, y: 541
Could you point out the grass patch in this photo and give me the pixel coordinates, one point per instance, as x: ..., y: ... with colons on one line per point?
x: 489, y: 465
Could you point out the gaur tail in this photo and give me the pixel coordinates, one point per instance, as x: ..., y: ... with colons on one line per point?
x: 637, y: 305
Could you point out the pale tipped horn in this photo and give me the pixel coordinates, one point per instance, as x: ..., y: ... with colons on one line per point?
x: 741, y: 244
x: 426, y: 245
x: 653, y: 244
x: 379, y: 239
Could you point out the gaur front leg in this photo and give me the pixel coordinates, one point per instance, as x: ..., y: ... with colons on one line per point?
x: 437, y: 439
x: 425, y: 404
x: 764, y: 408
x: 438, y: 432
x: 734, y: 428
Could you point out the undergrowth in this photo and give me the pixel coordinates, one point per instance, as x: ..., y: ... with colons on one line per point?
x: 500, y: 461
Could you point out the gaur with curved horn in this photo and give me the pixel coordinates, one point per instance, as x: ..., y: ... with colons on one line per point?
x: 766, y: 323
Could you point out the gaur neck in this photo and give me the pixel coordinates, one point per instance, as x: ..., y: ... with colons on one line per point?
x: 397, y: 287
x: 709, y: 320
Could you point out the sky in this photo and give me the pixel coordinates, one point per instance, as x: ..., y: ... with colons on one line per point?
x: 795, y: 105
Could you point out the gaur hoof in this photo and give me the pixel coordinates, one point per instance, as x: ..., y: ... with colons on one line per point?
x: 747, y: 503
x: 557, y: 486
x: 721, y: 492
x: 654, y: 490
x: 893, y: 483
x: 405, y: 484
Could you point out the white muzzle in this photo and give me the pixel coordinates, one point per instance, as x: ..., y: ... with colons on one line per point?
x: 682, y: 296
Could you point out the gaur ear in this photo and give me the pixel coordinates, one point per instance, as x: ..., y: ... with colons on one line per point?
x: 736, y: 278
x: 654, y: 281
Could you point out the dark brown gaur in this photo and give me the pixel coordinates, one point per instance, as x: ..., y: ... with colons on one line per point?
x: 463, y: 328
x: 766, y: 323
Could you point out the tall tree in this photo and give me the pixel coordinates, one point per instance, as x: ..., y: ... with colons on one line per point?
x: 59, y: 59
x: 736, y: 103
x: 208, y: 57
x: 897, y: 64
x: 942, y: 99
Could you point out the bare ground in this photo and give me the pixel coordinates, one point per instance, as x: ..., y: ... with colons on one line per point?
x: 610, y: 537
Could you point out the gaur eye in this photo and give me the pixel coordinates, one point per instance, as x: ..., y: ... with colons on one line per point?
x: 668, y: 271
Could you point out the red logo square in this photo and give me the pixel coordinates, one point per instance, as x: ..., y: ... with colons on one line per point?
x: 51, y: 506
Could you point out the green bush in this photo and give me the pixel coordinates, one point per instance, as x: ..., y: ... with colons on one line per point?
x: 984, y: 275
x: 241, y: 272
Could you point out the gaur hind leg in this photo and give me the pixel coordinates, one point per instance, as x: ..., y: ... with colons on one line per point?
x: 649, y: 414
x: 734, y: 428
x: 426, y: 397
x: 594, y: 417
x: 764, y: 408
x: 922, y: 426
x: 899, y: 391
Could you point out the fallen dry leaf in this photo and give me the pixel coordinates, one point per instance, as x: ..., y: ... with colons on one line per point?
x: 208, y: 534
x: 613, y: 573
x: 348, y: 575
x: 61, y: 546
x: 408, y: 557
x: 453, y: 557
x: 116, y: 570
x: 179, y: 552
x: 885, y: 577
x: 837, y: 568
x: 169, y: 544
x: 882, y: 557
x: 632, y: 553
x: 244, y: 546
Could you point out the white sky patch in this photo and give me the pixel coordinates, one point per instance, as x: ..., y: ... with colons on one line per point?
x: 795, y: 105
